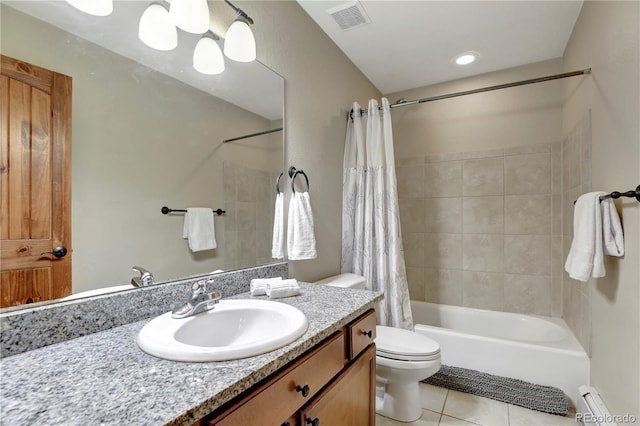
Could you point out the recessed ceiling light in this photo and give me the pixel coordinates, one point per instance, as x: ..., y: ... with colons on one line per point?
x: 466, y: 58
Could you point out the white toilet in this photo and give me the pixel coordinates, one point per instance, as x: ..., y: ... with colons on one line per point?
x: 403, y: 358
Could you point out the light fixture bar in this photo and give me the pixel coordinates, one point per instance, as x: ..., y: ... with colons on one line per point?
x: 240, y: 12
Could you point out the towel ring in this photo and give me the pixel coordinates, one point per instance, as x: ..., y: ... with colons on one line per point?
x: 293, y: 173
x: 278, y: 182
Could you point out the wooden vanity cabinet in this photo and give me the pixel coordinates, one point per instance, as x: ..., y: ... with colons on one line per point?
x: 331, y: 385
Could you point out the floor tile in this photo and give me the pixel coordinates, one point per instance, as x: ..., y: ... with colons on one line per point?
x: 432, y: 397
x: 451, y: 421
x: 476, y: 409
x: 520, y: 416
x: 429, y: 418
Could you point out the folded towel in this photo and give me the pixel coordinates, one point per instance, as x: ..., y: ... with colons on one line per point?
x: 301, y: 241
x: 283, y: 288
x: 277, y: 246
x: 199, y: 229
x: 258, y: 286
x: 586, y: 257
x: 613, y: 239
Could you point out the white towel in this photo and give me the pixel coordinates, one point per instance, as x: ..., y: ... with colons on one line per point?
x: 283, y: 288
x: 613, y: 238
x: 258, y: 286
x: 301, y: 241
x: 586, y: 257
x: 199, y: 229
x: 277, y: 246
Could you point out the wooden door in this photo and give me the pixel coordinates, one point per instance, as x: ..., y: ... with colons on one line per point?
x: 35, y: 183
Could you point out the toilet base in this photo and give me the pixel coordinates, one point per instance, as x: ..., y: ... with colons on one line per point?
x: 400, y: 402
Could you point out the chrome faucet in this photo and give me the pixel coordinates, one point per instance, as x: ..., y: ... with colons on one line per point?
x: 145, y: 279
x: 200, y: 301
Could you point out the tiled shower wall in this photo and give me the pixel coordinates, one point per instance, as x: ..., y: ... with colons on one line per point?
x: 249, y: 197
x: 576, y: 180
x: 483, y: 229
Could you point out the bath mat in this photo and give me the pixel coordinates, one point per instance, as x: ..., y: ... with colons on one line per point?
x: 512, y: 391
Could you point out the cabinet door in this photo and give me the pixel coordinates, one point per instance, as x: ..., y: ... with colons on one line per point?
x: 350, y: 399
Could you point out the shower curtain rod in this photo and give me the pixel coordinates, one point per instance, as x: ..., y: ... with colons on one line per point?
x: 266, y: 132
x: 485, y: 89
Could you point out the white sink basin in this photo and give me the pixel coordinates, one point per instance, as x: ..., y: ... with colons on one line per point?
x: 234, y: 329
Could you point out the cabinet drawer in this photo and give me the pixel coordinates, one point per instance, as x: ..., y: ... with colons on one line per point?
x: 350, y: 399
x: 362, y: 333
x: 279, y: 395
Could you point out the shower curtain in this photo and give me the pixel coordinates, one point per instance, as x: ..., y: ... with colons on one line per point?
x: 371, y: 239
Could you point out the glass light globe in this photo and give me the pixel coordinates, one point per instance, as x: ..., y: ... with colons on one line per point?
x: 156, y: 28
x: 240, y: 44
x: 191, y: 16
x: 207, y: 57
x: 93, y: 7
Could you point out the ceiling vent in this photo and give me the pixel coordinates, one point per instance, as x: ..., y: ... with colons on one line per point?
x: 349, y: 15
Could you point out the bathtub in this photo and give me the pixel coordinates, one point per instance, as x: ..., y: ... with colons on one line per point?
x: 536, y: 349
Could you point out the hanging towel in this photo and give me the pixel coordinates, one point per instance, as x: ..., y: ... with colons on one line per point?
x: 277, y: 246
x: 258, y: 286
x: 613, y: 238
x: 199, y: 229
x: 301, y: 241
x: 585, y: 257
x: 282, y: 288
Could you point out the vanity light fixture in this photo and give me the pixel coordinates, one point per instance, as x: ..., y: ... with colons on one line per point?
x: 191, y: 16
x: 156, y: 28
x: 207, y: 56
x: 239, y: 43
x: 93, y: 7
x: 466, y: 58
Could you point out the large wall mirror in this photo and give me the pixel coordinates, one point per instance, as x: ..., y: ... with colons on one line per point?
x: 148, y: 132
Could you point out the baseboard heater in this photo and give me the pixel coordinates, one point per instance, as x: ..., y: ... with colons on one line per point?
x: 591, y: 409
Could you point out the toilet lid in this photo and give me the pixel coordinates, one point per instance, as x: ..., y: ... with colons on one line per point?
x: 400, y: 344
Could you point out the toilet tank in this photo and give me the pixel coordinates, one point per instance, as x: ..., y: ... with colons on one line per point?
x: 347, y: 280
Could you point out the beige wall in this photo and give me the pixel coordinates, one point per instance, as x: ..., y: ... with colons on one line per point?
x: 606, y: 37
x: 141, y: 140
x: 506, y: 118
x: 320, y: 86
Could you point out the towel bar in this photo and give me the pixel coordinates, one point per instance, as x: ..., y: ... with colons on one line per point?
x: 167, y: 210
x: 616, y: 194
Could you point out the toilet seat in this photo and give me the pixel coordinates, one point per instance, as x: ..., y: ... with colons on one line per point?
x: 404, y: 345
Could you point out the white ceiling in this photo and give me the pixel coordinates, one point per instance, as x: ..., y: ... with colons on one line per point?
x: 411, y: 44
x: 251, y: 86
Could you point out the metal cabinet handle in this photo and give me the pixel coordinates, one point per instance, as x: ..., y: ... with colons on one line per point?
x: 304, y: 390
x: 60, y: 251
x: 313, y: 422
x: 368, y: 333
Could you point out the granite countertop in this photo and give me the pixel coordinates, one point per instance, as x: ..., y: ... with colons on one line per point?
x: 104, y: 378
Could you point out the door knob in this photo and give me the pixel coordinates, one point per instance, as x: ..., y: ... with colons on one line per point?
x: 60, y: 251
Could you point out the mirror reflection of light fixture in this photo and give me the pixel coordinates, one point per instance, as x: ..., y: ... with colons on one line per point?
x: 207, y: 56
x: 156, y: 28
x: 239, y: 43
x: 93, y: 7
x: 191, y: 16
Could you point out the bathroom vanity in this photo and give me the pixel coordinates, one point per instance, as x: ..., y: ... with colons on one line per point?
x: 104, y: 378
x: 332, y: 384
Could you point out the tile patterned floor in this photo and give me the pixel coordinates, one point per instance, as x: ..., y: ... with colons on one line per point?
x: 446, y: 407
